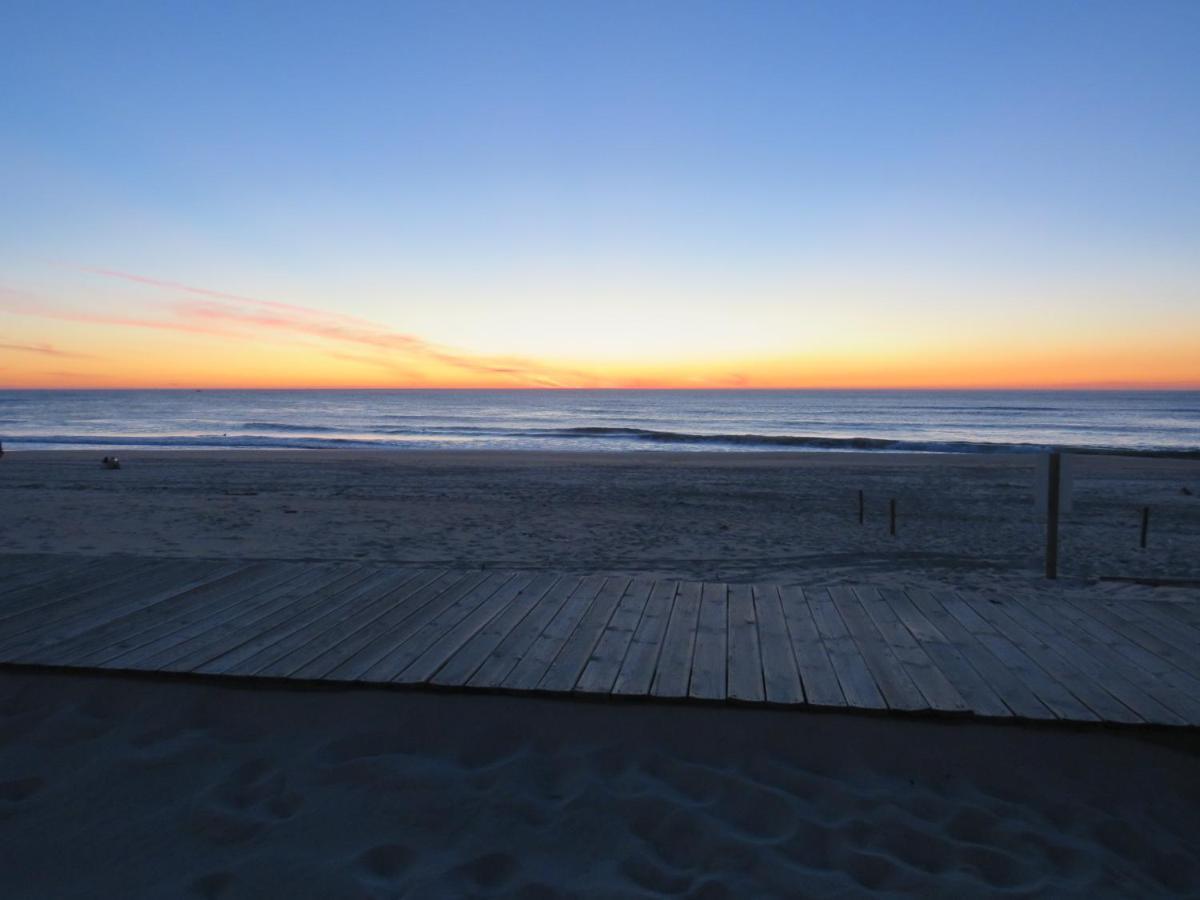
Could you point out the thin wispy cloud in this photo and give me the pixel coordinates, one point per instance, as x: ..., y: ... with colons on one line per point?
x: 42, y: 350
x: 223, y: 309
x: 226, y: 314
x: 201, y: 292
x: 26, y: 304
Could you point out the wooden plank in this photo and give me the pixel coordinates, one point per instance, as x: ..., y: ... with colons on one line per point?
x: 1179, y: 640
x: 378, y: 589
x: 888, y: 673
x: 1130, y: 684
x: 43, y: 574
x: 54, y: 589
x: 674, y: 670
x: 818, y: 678
x: 69, y: 620
x: 853, y: 674
x: 600, y: 673
x: 144, y: 626
x: 346, y: 654
x: 414, y: 644
x: 322, y: 635
x: 935, y: 687
x: 34, y: 603
x: 465, y: 661
x: 1110, y: 660
x: 40, y: 604
x: 891, y: 677
x: 501, y: 661
x: 1177, y: 688
x: 641, y: 658
x: 78, y: 571
x: 529, y: 671
x: 568, y: 664
x: 712, y: 635
x: 1173, y: 615
x: 1169, y: 642
x: 1057, y: 698
x: 949, y: 654
x: 1057, y: 665
x: 15, y: 564
x: 1185, y: 611
x: 744, y: 665
x: 208, y: 640
x: 224, y: 645
x: 452, y: 639
x: 394, y: 631
x: 781, y: 678
x: 403, y: 643
x: 253, y: 655
x: 1015, y: 692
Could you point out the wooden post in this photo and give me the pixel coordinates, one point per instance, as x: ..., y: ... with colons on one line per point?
x: 892, y: 523
x: 1145, y: 524
x: 1052, y: 483
x: 860, y: 507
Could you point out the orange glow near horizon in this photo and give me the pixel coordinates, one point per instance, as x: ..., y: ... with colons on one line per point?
x: 192, y: 337
x: 212, y: 363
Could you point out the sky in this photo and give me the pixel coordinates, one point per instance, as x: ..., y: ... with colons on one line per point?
x: 600, y: 194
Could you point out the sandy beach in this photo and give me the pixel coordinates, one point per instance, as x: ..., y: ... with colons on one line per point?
x: 966, y: 519
x: 142, y: 787
x: 116, y: 787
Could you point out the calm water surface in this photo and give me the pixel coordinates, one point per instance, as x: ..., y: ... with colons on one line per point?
x: 974, y: 421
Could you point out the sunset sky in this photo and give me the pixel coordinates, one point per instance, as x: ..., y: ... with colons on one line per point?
x: 605, y: 194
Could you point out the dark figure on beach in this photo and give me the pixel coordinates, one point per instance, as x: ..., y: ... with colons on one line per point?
x: 110, y: 462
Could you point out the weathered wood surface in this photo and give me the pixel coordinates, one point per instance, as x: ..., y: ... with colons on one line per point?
x: 882, y: 649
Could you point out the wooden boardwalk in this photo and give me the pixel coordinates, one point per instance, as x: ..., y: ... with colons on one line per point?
x: 880, y: 649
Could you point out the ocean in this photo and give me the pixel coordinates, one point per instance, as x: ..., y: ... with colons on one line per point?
x: 1143, y: 422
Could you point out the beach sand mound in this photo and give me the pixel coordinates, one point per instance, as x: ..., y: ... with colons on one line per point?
x: 124, y: 787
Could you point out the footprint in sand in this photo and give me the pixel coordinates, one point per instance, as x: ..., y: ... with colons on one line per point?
x: 15, y: 793
x: 18, y: 790
x: 647, y: 875
x: 385, y: 864
x: 254, y: 797
x: 490, y: 870
x: 213, y: 885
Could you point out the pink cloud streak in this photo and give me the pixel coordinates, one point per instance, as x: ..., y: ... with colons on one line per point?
x: 230, y: 315
x: 43, y: 350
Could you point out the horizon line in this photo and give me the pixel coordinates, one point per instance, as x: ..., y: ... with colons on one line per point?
x: 1163, y: 386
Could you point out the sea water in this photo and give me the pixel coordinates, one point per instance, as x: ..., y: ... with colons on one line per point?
x: 1152, y: 422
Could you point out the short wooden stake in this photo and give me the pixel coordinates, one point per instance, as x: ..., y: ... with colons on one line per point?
x: 892, y: 523
x: 860, y: 507
x: 1145, y: 524
x: 1052, y: 483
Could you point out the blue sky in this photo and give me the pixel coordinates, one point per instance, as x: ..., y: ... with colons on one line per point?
x: 506, y: 177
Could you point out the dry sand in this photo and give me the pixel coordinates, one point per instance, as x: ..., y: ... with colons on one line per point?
x: 125, y: 788
x: 967, y: 520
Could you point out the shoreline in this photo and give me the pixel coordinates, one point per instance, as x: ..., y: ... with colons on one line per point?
x: 715, y: 444
x: 640, y: 454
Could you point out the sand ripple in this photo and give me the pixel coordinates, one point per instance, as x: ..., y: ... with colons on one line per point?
x: 119, y: 787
